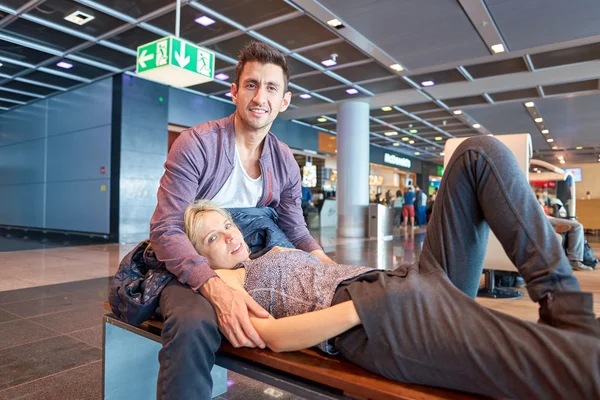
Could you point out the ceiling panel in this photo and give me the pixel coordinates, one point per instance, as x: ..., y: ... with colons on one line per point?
x: 190, y: 29
x: 465, y: 101
x: 515, y: 95
x: 13, y: 4
x: 340, y: 94
x: 572, y: 55
x: 386, y: 85
x: 55, y: 11
x: 313, y: 120
x: 79, y: 69
x: 345, y: 53
x: 26, y: 87
x: 452, y: 36
x: 435, y: 114
x: 572, y: 121
x: 108, y: 56
x: 6, y: 104
x: 135, y: 8
x: 503, y: 67
x: 439, y: 77
x: 526, y: 24
x: 23, y: 54
x: 298, y: 32
x: 298, y: 67
x: 318, y: 81
x: 420, y: 107
x: 51, y: 79
x: 231, y: 47
x: 247, y: 12
x: 15, y: 96
x: 41, y: 35
x: 11, y: 69
x: 210, y: 87
x: 572, y: 87
x: 363, y: 72
x: 300, y: 102
x: 508, y: 118
x: 133, y: 38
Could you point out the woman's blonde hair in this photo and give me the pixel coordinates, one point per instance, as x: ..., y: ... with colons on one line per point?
x: 192, y: 218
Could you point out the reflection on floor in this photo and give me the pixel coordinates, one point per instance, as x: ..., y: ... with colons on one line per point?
x: 51, y: 301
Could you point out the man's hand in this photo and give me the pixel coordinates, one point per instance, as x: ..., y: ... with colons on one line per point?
x: 232, y: 308
x: 320, y: 254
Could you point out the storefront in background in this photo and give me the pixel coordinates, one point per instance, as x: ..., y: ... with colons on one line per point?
x: 391, y: 171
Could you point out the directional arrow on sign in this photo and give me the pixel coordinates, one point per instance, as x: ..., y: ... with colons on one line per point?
x: 181, y: 58
x: 145, y: 57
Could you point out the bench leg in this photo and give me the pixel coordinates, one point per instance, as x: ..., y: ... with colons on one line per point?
x: 130, y: 363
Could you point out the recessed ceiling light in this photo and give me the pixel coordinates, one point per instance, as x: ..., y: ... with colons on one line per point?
x: 417, y: 153
x: 321, y: 119
x: 204, y: 20
x: 351, y: 91
x: 222, y: 77
x: 578, y: 147
x: 438, y: 138
x: 562, y: 161
x: 490, y: 134
x: 228, y: 94
x: 442, y: 154
x: 476, y: 126
x: 390, y: 133
x: 498, y: 48
x: 560, y: 157
x: 427, y: 83
x: 329, y: 62
x: 1, y: 64
x: 554, y: 147
x: 539, y: 119
x: 545, y: 131
x: 79, y: 18
x: 411, y: 142
x: 530, y: 104
x: 397, y: 67
x: 549, y: 140
x: 336, y: 23
x: 405, y: 139
x: 396, y: 144
x: 413, y: 131
x: 305, y: 96
x: 457, y: 112
x: 64, y: 64
x: 386, y: 108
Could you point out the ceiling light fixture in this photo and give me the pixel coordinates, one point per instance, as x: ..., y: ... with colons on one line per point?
x: 351, y: 91
x: 321, y: 119
x: 457, y: 112
x: 549, y: 140
x: 305, y: 96
x: 545, y: 131
x: 539, y: 119
x: 530, y: 104
x: 427, y: 83
x: 79, y: 17
x: 498, y: 48
x: 578, y: 147
x: 228, y: 94
x: 417, y: 153
x: 396, y: 144
x: 204, y: 20
x: 411, y: 142
x: 490, y: 134
x: 405, y: 139
x: 222, y: 77
x: 438, y: 138
x: 64, y: 65
x: 413, y: 131
x: 554, y: 147
x: 330, y: 62
x: 386, y: 108
x: 442, y: 154
x: 335, y: 23
x: 390, y: 133
x: 562, y: 161
x: 476, y: 126
x: 1, y: 64
x: 397, y: 67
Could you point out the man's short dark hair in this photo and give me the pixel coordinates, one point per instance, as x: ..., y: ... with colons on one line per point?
x: 264, y: 54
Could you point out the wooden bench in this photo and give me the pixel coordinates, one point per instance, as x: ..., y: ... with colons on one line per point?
x: 307, y: 373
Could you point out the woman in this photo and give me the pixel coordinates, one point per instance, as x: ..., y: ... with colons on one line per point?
x: 414, y: 324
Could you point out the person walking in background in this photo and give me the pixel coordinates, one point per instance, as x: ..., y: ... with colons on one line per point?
x: 397, y: 208
x: 420, y: 206
x: 408, y: 211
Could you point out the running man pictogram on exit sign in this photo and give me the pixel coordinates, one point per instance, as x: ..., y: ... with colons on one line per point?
x: 175, y: 62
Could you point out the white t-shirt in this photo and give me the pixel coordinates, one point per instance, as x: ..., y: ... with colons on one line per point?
x: 240, y: 190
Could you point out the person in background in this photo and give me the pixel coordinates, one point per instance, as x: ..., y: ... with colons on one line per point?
x: 397, y: 207
x: 378, y: 199
x: 388, y: 198
x: 408, y: 211
x: 307, y: 201
x: 420, y: 206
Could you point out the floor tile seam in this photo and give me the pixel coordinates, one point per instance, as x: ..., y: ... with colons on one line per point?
x: 13, y: 314
x: 37, y: 298
x: 57, y: 312
x: 79, y: 340
x: 49, y: 376
x: 34, y: 341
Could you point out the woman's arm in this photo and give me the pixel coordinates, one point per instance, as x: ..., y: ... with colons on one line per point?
x: 306, y: 330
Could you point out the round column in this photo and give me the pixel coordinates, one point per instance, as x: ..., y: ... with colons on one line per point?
x: 352, y: 168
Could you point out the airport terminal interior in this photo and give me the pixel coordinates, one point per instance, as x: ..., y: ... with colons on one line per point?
x: 94, y: 94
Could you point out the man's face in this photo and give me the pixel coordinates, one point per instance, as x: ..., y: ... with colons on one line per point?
x: 260, y: 96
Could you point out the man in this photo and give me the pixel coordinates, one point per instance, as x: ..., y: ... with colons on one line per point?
x: 408, y: 211
x: 236, y: 162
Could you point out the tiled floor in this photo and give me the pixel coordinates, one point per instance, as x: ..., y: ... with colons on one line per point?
x: 51, y: 304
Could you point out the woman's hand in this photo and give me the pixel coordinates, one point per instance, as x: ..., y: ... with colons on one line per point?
x: 231, y: 307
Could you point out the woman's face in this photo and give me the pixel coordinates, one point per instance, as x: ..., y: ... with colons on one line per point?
x: 221, y: 242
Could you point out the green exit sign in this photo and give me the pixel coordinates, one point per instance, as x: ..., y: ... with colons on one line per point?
x: 175, y: 62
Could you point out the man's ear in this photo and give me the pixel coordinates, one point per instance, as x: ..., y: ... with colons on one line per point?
x: 287, y: 100
x: 234, y: 92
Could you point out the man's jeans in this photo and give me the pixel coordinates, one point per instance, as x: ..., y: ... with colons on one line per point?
x: 575, y: 237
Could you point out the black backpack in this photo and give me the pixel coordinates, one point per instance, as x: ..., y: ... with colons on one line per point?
x: 589, y: 258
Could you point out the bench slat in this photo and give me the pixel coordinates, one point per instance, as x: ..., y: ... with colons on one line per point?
x: 331, y: 371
